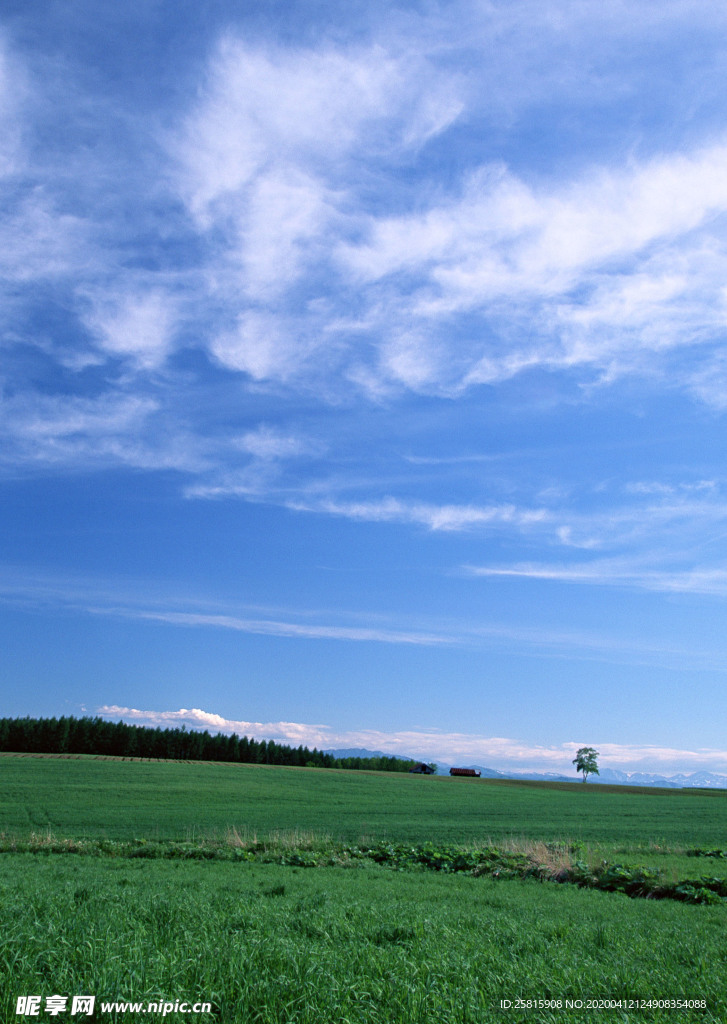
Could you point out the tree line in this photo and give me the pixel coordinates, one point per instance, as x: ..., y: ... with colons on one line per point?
x: 70, y: 735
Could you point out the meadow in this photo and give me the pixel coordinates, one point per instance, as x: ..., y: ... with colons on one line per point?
x: 84, y: 796
x: 266, y: 938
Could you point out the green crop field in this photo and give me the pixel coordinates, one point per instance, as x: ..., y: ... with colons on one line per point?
x: 170, y: 800
x: 313, y: 896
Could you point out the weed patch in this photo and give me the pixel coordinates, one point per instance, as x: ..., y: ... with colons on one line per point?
x: 546, y: 862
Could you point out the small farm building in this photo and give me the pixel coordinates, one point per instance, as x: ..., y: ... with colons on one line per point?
x: 470, y: 772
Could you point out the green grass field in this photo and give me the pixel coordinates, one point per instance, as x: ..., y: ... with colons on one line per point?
x: 348, y: 940
x: 169, y: 800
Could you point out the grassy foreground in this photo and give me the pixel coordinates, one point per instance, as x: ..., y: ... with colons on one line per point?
x: 266, y: 943
x: 348, y: 940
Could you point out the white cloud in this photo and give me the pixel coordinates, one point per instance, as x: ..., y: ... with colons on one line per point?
x: 412, y: 360
x: 619, y: 573
x: 143, y: 600
x: 39, y: 243
x: 272, y: 627
x: 492, y: 752
x: 658, y: 487
x: 111, y: 429
x: 435, y: 517
x: 56, y: 428
x: 589, y: 58
x: 301, y: 107
x: 608, y: 272
x: 270, y: 161
x: 13, y: 89
x: 260, y: 106
x: 707, y: 379
x: 252, y: 482
x: 136, y: 326
x: 267, y: 443
x: 669, y: 521
x: 334, y: 253
x: 288, y: 215
x: 572, y: 644
x: 263, y: 346
x: 324, y: 251
x: 515, y: 253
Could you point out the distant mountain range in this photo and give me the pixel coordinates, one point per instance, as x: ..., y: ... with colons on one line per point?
x: 363, y: 752
x: 611, y: 776
x: 695, y: 780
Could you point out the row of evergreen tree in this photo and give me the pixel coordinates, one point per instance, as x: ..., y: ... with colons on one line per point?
x: 69, y: 735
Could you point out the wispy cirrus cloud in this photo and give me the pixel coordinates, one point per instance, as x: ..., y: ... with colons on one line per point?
x: 52, y: 428
x: 434, y: 517
x: 292, y: 222
x: 134, y: 326
x: 273, y: 627
x: 266, y: 165
x: 298, y: 236
x: 650, y: 535
x: 615, y: 573
x: 673, y: 519
x: 362, y: 627
x: 270, y: 168
x: 507, y: 251
x: 265, y: 442
x: 144, y: 601
x: 494, y: 752
x: 14, y: 89
x: 297, y: 106
x: 112, y: 429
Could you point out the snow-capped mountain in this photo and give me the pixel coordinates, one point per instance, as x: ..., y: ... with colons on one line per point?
x: 612, y: 776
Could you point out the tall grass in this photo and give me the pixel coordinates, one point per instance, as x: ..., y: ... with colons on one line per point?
x: 276, y: 945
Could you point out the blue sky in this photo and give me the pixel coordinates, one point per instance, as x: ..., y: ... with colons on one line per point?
x: 363, y: 373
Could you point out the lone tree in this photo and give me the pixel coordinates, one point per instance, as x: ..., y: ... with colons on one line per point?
x: 585, y: 761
